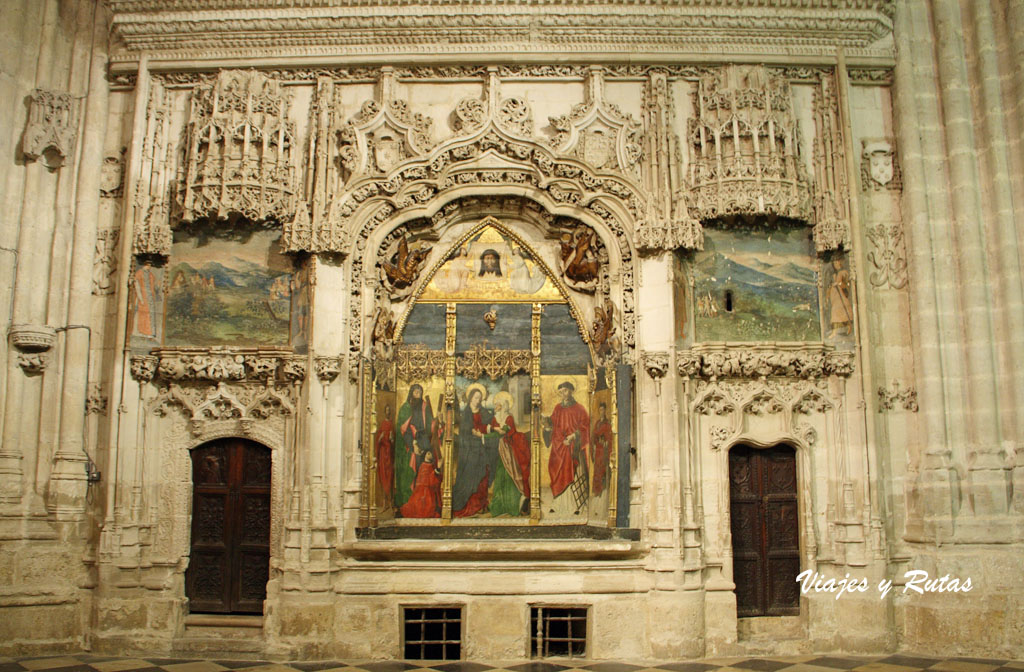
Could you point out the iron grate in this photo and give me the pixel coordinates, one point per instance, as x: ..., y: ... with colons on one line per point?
x: 432, y: 633
x: 558, y: 632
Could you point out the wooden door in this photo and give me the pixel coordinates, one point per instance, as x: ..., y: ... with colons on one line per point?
x: 230, y: 558
x: 765, y: 530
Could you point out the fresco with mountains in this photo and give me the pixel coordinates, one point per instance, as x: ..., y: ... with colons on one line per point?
x: 226, y: 291
x: 753, y: 284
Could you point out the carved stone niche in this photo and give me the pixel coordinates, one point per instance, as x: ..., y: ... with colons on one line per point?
x: 764, y: 360
x: 52, y: 125
x: 745, y: 151
x: 239, y: 150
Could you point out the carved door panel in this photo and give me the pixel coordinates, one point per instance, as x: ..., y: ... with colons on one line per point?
x: 765, y: 531
x: 230, y: 557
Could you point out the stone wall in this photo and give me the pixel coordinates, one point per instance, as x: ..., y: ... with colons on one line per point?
x: 879, y: 136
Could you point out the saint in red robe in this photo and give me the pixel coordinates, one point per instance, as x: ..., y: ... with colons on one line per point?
x: 568, y: 422
x: 425, y: 501
x: 385, y: 443
x: 602, y: 451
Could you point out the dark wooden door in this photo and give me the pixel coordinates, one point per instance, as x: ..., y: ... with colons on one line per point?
x: 765, y: 530
x: 229, y: 564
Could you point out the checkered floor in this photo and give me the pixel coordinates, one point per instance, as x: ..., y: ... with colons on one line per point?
x: 835, y: 663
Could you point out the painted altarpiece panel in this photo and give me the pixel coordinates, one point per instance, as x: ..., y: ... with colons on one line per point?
x: 496, y: 407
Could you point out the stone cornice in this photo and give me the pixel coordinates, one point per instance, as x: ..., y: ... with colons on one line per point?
x: 191, y: 30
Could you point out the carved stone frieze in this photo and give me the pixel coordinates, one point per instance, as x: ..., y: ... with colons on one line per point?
x: 872, y: 76
x: 204, y: 404
x: 105, y: 262
x: 52, y: 127
x: 889, y: 398
x: 688, y: 364
x: 760, y: 397
x: 746, y: 153
x: 239, y: 150
x: 888, y: 256
x: 327, y: 368
x: 187, y: 28
x: 878, y: 166
x: 228, y: 364
x: 762, y: 361
x: 480, y: 360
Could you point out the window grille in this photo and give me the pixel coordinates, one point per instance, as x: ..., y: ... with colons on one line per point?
x: 558, y: 631
x: 432, y: 633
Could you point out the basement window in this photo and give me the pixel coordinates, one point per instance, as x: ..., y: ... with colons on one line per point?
x: 558, y: 632
x: 432, y: 633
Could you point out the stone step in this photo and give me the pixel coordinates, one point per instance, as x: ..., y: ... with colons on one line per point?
x: 223, y: 636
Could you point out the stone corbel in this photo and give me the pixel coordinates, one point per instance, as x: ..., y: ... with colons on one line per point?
x: 143, y: 367
x: 52, y: 125
x: 32, y: 342
x: 327, y: 368
x: 655, y: 364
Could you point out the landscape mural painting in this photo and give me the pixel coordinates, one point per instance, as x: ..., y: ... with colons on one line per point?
x: 231, y: 288
x: 753, y: 284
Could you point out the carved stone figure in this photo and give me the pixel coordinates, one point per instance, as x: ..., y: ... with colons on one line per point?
x: 579, y: 261
x: 383, y: 333
x: 400, y: 269
x: 603, y: 333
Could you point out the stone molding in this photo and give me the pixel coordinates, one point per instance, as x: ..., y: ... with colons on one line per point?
x: 762, y: 360
x: 187, y: 29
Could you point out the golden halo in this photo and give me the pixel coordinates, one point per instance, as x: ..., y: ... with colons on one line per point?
x: 503, y: 398
x: 476, y: 386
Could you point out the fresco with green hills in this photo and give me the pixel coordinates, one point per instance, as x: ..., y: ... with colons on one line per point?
x: 232, y: 288
x: 756, y: 284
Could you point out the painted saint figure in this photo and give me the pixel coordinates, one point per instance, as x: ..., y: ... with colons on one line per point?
x: 839, y: 300
x: 415, y: 421
x: 477, y: 455
x: 145, y: 300
x: 603, y: 443
x: 425, y: 501
x: 511, y: 492
x: 570, y: 444
x: 384, y: 442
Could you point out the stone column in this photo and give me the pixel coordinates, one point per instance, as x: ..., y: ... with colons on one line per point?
x: 67, y: 491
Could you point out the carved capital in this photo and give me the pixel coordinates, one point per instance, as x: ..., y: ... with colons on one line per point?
x: 655, y: 364
x: 143, y: 367
x: 327, y: 368
x: 52, y: 125
x: 688, y: 364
